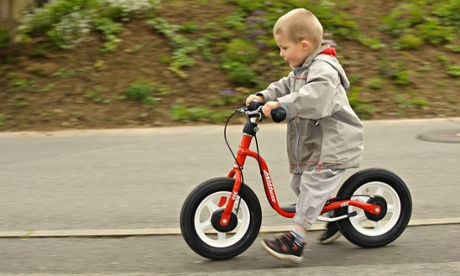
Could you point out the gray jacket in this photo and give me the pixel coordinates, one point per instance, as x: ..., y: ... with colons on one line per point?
x: 323, y: 131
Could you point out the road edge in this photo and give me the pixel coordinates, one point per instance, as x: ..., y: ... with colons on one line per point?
x: 175, y: 231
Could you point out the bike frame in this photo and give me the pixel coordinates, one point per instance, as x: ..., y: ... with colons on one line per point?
x: 244, y: 151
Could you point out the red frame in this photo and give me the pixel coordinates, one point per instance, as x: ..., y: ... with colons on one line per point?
x: 243, y: 152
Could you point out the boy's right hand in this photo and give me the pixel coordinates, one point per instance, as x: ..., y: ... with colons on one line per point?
x: 254, y: 98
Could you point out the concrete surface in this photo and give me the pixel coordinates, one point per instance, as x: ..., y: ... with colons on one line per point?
x: 100, y: 202
x: 137, y: 179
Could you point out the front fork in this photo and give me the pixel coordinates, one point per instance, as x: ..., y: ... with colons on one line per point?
x: 237, y: 174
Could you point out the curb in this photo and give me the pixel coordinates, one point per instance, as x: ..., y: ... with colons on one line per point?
x: 174, y: 231
x: 185, y: 128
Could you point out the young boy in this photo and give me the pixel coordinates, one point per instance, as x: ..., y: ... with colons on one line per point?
x: 324, y: 135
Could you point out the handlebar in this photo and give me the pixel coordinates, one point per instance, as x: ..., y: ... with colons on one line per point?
x: 278, y: 114
x: 254, y: 109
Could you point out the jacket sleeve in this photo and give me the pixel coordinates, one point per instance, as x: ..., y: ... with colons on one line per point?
x: 316, y: 99
x: 276, y: 89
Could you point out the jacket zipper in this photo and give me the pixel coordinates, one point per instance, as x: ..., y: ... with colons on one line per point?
x: 320, y: 163
x: 297, y: 146
x: 297, y: 132
x: 319, y: 167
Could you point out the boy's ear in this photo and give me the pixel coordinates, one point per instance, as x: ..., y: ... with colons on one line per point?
x: 305, y: 44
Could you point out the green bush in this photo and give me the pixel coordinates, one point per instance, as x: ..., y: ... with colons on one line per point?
x: 403, y: 16
x: 453, y: 71
x: 433, y: 32
x: 3, y: 118
x: 376, y: 83
x: 239, y: 54
x: 403, y: 77
x: 4, y: 38
x: 68, y: 22
x: 371, y: 42
x: 42, y: 20
x: 454, y: 47
x: 410, y: 42
x: 396, y: 71
x: 182, y: 46
x: 241, y: 50
x: 240, y: 73
x: 181, y: 112
x: 144, y: 92
x: 448, y: 12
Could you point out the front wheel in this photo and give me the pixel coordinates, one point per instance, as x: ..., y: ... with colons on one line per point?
x: 201, y: 213
x: 383, y: 188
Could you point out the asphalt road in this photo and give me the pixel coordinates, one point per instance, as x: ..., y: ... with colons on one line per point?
x: 426, y: 250
x: 101, y: 183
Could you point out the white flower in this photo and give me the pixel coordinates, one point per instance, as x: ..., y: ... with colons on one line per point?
x: 74, y: 25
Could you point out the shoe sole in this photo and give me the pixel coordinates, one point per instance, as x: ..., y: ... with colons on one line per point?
x: 331, y: 238
x: 289, y: 258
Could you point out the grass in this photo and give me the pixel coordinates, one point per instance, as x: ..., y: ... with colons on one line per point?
x: 240, y: 44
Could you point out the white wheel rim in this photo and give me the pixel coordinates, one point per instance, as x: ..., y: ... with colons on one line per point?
x: 203, y: 225
x: 376, y: 228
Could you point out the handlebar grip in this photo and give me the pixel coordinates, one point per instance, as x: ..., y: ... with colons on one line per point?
x: 278, y: 114
x: 253, y: 105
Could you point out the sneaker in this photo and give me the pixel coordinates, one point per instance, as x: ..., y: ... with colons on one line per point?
x: 284, y: 248
x: 332, y: 233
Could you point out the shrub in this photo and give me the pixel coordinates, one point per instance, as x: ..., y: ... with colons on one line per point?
x: 69, y: 22
x: 144, y: 92
x: 410, y: 42
x: 4, y: 38
x: 371, y: 42
x: 126, y: 9
x: 403, y: 16
x: 448, y: 12
x: 3, y: 118
x: 240, y: 73
x: 431, y: 31
x: 241, y: 50
x: 239, y: 54
x: 376, y: 83
x: 453, y: 71
x: 403, y: 77
x: 396, y: 71
x: 453, y: 47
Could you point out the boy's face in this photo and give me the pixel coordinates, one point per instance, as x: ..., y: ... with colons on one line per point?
x: 295, y: 53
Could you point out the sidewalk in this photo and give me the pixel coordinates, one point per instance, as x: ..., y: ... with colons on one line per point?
x: 134, y: 181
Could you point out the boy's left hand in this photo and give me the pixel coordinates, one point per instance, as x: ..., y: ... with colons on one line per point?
x: 268, y: 107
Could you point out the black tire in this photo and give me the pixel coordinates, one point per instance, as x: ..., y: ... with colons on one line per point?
x: 369, y: 231
x: 202, y: 203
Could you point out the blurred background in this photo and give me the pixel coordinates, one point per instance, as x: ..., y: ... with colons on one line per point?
x: 77, y: 64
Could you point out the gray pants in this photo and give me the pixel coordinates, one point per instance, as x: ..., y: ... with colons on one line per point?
x: 313, y: 189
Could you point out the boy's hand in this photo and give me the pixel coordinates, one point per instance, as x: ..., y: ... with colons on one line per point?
x: 254, y: 98
x: 268, y: 107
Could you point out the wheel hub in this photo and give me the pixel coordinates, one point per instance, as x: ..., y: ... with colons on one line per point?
x: 215, y: 221
x: 382, y: 203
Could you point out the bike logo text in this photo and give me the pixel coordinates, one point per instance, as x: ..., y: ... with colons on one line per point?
x: 268, y: 180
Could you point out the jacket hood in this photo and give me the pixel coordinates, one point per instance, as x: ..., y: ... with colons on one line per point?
x: 328, y: 54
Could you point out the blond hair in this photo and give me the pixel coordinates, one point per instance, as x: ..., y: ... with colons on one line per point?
x: 300, y: 24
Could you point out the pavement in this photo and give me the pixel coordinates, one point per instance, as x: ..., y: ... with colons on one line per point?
x: 132, y: 182
x: 426, y: 250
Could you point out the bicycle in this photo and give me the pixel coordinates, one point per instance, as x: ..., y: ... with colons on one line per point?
x: 221, y: 217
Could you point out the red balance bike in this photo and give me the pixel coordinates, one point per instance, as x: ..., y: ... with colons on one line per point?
x: 221, y: 218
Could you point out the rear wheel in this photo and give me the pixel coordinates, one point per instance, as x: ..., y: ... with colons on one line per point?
x: 385, y: 189
x: 201, y: 213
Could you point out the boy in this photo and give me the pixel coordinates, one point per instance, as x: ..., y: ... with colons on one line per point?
x: 324, y: 135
